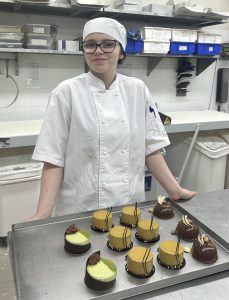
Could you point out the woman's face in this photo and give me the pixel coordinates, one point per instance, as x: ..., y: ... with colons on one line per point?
x: 100, y: 62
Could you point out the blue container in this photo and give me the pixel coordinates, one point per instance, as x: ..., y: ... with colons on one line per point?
x: 148, y: 181
x: 134, y: 46
x: 182, y: 48
x: 208, y: 49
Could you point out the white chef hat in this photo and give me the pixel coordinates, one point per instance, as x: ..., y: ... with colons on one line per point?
x: 107, y: 26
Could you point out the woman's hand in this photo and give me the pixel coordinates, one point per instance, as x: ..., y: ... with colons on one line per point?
x: 182, y: 194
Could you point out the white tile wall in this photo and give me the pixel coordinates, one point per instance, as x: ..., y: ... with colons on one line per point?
x: 33, y: 95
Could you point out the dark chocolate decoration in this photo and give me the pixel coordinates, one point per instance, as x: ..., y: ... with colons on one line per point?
x: 71, y: 229
x: 93, y: 259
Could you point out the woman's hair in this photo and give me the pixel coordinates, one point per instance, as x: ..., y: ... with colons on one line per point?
x: 121, y: 60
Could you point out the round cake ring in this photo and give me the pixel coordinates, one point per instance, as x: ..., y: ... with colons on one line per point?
x: 140, y: 276
x: 119, y: 250
x: 171, y: 267
x: 127, y: 225
x: 144, y: 241
x: 100, y: 230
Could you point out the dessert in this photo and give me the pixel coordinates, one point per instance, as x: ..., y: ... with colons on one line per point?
x: 130, y: 215
x: 163, y: 209
x: 76, y: 240
x: 171, y: 254
x: 100, y: 272
x: 204, y: 250
x: 186, y: 229
x: 102, y: 220
x: 140, y: 262
x: 147, y: 231
x: 120, y: 238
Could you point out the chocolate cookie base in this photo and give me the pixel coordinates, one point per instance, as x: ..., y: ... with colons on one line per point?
x: 119, y: 250
x: 140, y: 275
x: 101, y: 230
x: 154, y: 240
x: 127, y: 225
x: 97, y: 284
x: 171, y: 267
x: 76, y: 249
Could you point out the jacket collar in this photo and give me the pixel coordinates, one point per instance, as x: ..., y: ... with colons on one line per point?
x: 98, y: 84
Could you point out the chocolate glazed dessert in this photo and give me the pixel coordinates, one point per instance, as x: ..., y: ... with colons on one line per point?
x: 186, y: 229
x: 163, y: 209
x: 204, y: 250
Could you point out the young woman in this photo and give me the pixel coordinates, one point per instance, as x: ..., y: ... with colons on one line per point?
x: 100, y: 130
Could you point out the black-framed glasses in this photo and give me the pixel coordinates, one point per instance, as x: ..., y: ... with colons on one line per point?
x: 107, y: 46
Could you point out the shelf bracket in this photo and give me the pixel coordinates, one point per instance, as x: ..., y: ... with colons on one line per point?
x: 152, y: 63
x: 15, y: 59
x: 203, y: 63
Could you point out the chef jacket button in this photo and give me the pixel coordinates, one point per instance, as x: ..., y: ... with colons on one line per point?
x: 124, y: 180
x: 103, y: 184
x: 123, y: 150
x: 103, y: 122
x: 104, y: 152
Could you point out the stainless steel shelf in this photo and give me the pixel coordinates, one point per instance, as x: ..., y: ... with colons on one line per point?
x: 39, y: 51
x: 79, y: 11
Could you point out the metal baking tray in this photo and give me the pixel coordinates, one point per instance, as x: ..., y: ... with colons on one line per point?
x: 43, y: 270
x: 211, y: 211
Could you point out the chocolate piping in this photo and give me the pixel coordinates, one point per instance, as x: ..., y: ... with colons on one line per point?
x: 144, y: 260
x: 109, y: 210
x: 177, y: 252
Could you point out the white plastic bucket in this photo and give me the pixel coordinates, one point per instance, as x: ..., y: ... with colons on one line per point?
x: 206, y: 168
x: 224, y: 134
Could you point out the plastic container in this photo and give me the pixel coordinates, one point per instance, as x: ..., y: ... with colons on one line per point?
x: 37, y: 39
x: 205, y: 170
x: 134, y: 46
x: 208, y: 38
x: 224, y: 134
x: 19, y: 192
x: 40, y: 29
x: 159, y: 9
x: 184, y: 35
x: 30, y: 46
x: 208, y: 49
x: 10, y: 45
x: 158, y: 34
x: 182, y: 48
x: 156, y: 47
x: 10, y: 29
x: 11, y: 37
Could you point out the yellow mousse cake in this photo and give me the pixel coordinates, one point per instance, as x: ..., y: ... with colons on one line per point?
x: 148, y: 230
x: 102, y: 220
x: 140, y: 262
x: 171, y: 254
x: 100, y: 272
x: 120, y: 238
x: 130, y: 215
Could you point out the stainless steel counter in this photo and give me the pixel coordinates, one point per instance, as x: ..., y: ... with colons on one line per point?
x: 43, y: 270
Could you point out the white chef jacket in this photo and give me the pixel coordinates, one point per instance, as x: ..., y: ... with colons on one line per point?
x: 101, y: 138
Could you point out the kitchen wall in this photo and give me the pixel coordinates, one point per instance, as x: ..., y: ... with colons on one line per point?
x: 40, y: 73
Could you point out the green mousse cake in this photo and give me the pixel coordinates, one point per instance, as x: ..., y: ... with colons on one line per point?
x: 76, y: 240
x: 100, y: 272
